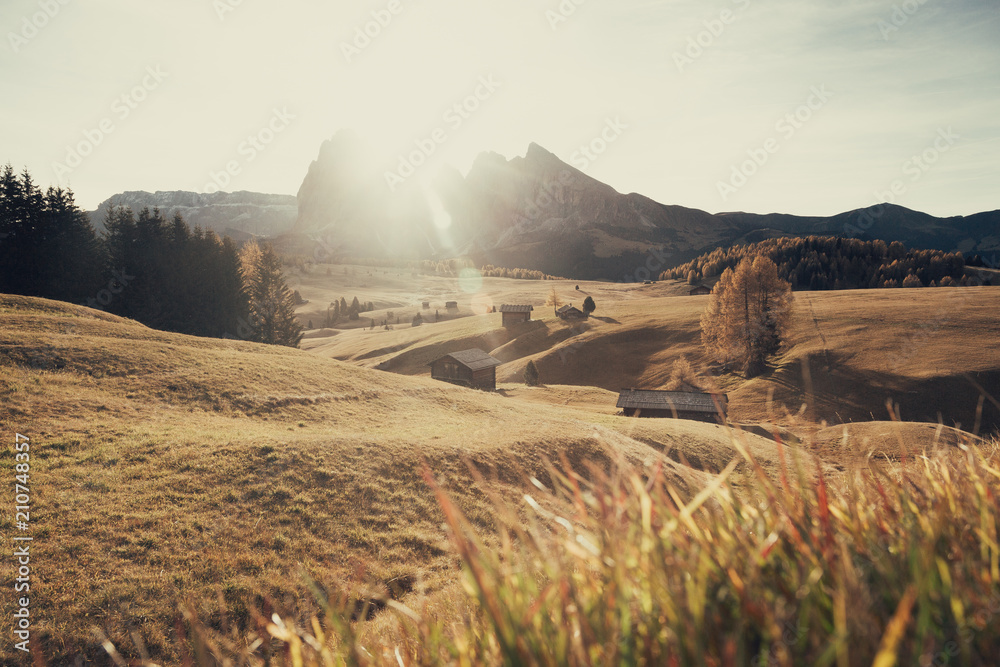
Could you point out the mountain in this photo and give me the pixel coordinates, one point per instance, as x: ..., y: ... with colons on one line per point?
x: 533, y: 212
x: 346, y: 200
x: 238, y: 214
x: 538, y: 212
x: 979, y: 233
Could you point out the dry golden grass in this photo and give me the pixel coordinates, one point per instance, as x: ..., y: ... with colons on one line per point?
x: 169, y: 468
x: 929, y: 351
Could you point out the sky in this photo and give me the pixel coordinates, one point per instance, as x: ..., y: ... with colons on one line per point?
x: 809, y: 107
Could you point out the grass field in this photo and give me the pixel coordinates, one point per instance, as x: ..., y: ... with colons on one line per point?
x: 169, y: 469
x: 929, y: 350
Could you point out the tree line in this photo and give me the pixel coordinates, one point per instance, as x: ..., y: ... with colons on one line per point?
x: 829, y: 262
x: 144, y: 267
x: 340, y: 309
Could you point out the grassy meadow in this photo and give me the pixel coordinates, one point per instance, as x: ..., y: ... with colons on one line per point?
x: 201, y: 501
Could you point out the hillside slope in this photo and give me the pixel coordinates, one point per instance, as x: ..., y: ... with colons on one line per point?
x: 168, y: 468
x: 928, y: 350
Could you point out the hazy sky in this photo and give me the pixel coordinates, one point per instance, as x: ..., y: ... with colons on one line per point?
x: 691, y: 93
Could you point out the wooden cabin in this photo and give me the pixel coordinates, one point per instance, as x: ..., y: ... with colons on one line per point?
x: 512, y: 314
x: 570, y: 312
x: 426, y: 305
x: 451, y: 305
x: 700, y: 289
x: 469, y: 368
x: 695, y: 405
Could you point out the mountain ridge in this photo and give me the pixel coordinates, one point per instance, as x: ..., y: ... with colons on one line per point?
x: 238, y: 214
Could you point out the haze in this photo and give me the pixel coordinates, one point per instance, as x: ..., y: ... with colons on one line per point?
x: 211, y: 74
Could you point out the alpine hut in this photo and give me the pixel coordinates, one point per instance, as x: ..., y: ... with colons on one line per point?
x: 469, y: 368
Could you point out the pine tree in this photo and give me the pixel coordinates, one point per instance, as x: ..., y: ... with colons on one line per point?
x: 588, y: 305
x: 531, y: 374
x: 272, y: 312
x: 47, y: 245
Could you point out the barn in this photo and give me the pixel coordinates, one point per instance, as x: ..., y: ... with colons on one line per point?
x: 700, y: 289
x: 571, y: 313
x: 694, y: 405
x: 469, y: 368
x: 513, y: 314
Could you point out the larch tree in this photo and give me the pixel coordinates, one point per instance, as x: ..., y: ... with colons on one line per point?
x: 747, y: 315
x: 553, y: 299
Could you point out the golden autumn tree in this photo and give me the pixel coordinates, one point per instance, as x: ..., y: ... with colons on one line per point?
x: 747, y: 315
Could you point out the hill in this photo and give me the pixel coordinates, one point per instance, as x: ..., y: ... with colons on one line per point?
x: 237, y: 214
x: 827, y: 262
x: 168, y: 468
x: 922, y: 348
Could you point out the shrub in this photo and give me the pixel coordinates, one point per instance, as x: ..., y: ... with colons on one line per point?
x: 531, y: 374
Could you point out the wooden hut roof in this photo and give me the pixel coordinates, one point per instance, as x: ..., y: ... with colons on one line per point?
x: 474, y: 359
x: 508, y: 308
x: 682, y: 401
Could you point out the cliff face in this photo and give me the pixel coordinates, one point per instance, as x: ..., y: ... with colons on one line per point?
x: 534, y: 211
x: 347, y: 202
x: 538, y: 212
x: 235, y: 213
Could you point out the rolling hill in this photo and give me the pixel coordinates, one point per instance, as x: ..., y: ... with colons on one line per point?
x: 167, y: 468
x: 923, y: 349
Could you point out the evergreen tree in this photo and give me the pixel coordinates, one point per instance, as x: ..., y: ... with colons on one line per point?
x: 531, y: 374
x: 588, y: 305
x: 47, y: 245
x: 272, y: 313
